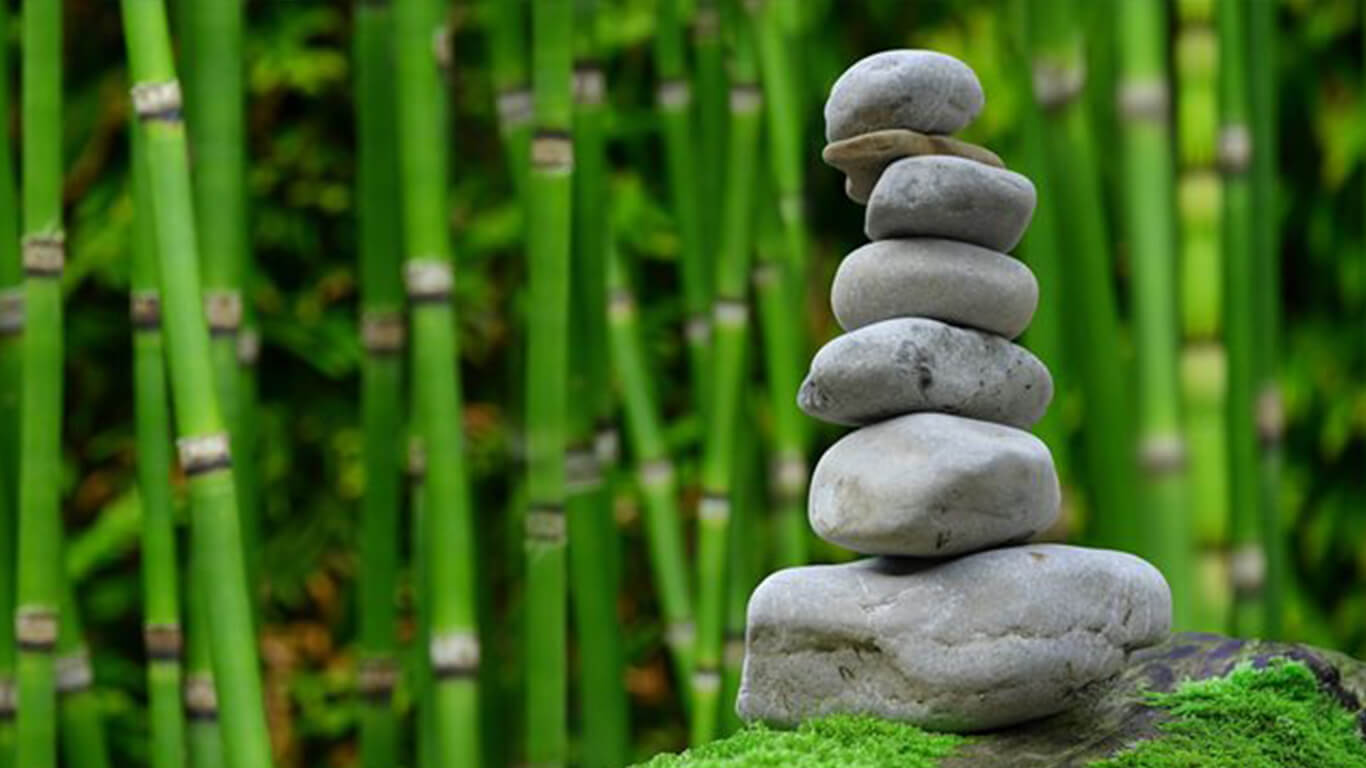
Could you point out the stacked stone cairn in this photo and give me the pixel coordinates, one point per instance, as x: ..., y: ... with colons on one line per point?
x: 958, y: 623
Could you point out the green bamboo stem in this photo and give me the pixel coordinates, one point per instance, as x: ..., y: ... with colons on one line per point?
x: 81, y: 726
x: 747, y: 564
x: 1107, y: 435
x: 1235, y: 153
x: 654, y: 469
x: 1201, y: 293
x: 511, y: 87
x: 709, y: 79
x: 416, y: 474
x: 40, y: 578
x: 447, y: 529
x: 730, y: 340
x: 674, y: 102
x: 216, y: 532
x: 1149, y: 217
x: 382, y: 332
x: 787, y: 152
x: 1267, y: 311
x: 11, y: 350
x: 593, y: 542
x: 203, y: 734
x: 160, y: 579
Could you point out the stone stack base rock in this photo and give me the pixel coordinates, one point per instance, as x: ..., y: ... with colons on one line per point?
x: 958, y: 623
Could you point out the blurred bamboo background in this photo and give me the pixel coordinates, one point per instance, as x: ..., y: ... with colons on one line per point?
x: 513, y: 517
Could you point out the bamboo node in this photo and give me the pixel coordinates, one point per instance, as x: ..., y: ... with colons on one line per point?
x: 680, y: 635
x: 73, y: 672
x: 714, y: 508
x: 200, y: 454
x: 657, y: 474
x: 44, y: 255
x: 1057, y: 85
x: 442, y: 50
x: 1235, y: 149
x: 35, y: 629
x: 581, y: 470
x: 706, y: 680
x: 515, y: 107
x: 1270, y: 415
x: 9, y: 700
x: 144, y: 309
x: 730, y: 313
x: 621, y: 305
x: 698, y: 329
x: 157, y: 101
x: 1162, y: 454
x: 590, y: 85
x: 376, y: 678
x: 201, y: 697
x: 454, y: 654
x: 735, y: 649
x: 162, y: 642
x: 1146, y: 99
x: 416, y: 466
x: 788, y: 475
x: 223, y: 311
x: 765, y: 274
x: 1247, y: 569
x: 382, y: 332
x: 428, y: 280
x: 746, y: 98
x: 607, y: 445
x: 12, y: 311
x: 546, y: 524
x: 552, y: 150
x: 706, y: 24
x: 754, y: 6
x: 674, y: 94
x: 248, y: 346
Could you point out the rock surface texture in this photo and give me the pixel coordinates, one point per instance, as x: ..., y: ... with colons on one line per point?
x: 958, y: 624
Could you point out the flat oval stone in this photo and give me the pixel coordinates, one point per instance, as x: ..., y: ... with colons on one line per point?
x: 969, y: 644
x: 930, y: 485
x: 917, y: 90
x: 946, y: 280
x: 913, y: 364
x: 952, y: 197
x: 863, y: 158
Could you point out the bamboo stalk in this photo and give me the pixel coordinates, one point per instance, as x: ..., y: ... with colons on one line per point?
x: 1107, y: 435
x: 11, y: 350
x: 203, y: 734
x: 747, y: 564
x: 730, y: 340
x: 1149, y: 216
x: 205, y: 455
x: 81, y: 726
x: 424, y: 717
x: 1201, y: 292
x: 162, y: 636
x: 382, y: 336
x: 787, y: 155
x: 1235, y: 155
x: 594, y: 548
x: 511, y: 87
x: 654, y: 468
x: 40, y: 577
x: 421, y: 39
x: 709, y: 78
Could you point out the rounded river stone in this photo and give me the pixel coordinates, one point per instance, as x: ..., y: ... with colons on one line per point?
x: 969, y: 644
x: 929, y: 485
x: 952, y: 197
x: 863, y: 158
x: 946, y: 280
x: 917, y: 90
x: 913, y: 364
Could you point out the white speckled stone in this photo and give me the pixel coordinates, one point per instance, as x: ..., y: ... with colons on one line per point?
x: 979, y: 642
x: 917, y: 90
x: 931, y: 485
x: 952, y: 197
x: 914, y: 364
x: 863, y: 158
x: 946, y: 280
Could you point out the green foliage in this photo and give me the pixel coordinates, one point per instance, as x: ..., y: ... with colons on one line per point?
x: 1255, y: 718
x: 844, y: 741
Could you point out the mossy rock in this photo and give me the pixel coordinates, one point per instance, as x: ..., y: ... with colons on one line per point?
x: 1264, y: 705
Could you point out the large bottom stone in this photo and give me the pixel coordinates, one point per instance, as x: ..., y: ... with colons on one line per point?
x: 970, y: 644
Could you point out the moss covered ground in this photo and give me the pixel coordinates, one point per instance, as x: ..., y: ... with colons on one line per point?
x: 1275, y: 717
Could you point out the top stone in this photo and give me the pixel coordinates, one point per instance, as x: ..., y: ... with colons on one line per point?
x: 916, y: 90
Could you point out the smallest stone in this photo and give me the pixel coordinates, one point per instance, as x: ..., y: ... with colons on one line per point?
x: 915, y: 90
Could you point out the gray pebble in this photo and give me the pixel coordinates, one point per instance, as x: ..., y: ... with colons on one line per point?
x: 913, y: 364
x: 980, y: 642
x: 930, y: 485
x: 863, y: 158
x: 947, y: 280
x: 945, y: 196
x: 918, y: 90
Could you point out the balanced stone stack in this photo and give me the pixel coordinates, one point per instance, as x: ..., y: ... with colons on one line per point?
x: 957, y: 623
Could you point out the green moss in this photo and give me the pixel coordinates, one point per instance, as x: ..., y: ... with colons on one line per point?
x: 844, y: 741
x: 1269, y: 718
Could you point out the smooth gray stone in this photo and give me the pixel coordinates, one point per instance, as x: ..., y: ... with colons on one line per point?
x: 863, y: 158
x: 947, y: 280
x: 969, y: 644
x: 914, y: 364
x: 952, y: 197
x: 931, y: 485
x: 918, y: 90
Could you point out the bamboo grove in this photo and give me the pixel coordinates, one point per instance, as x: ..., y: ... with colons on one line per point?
x: 574, y: 262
